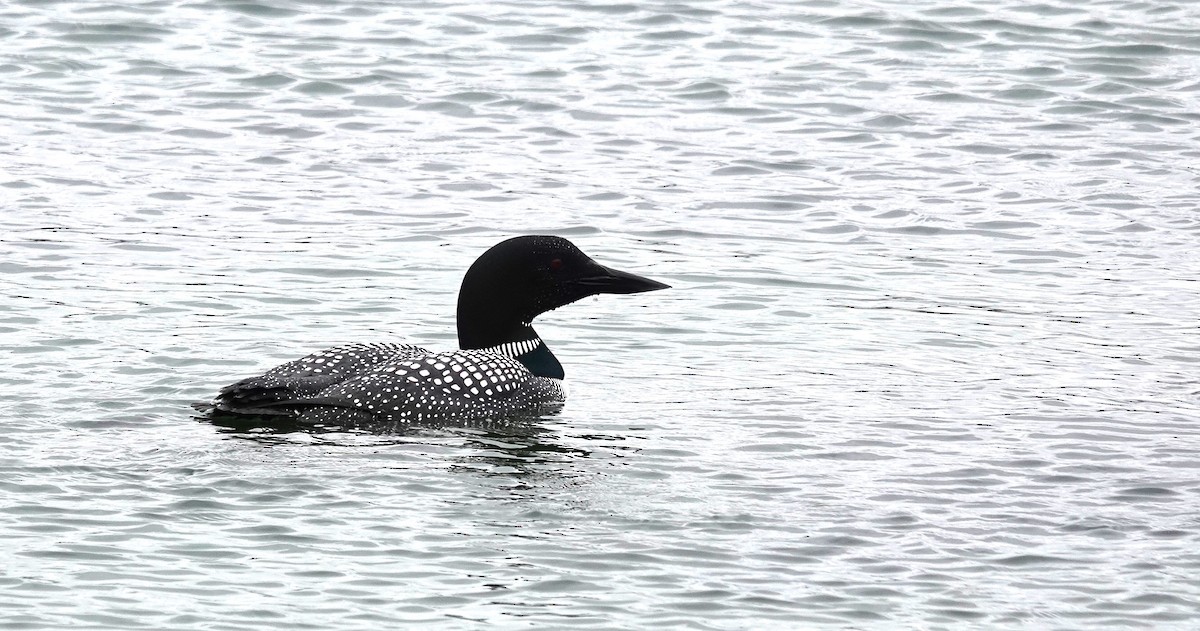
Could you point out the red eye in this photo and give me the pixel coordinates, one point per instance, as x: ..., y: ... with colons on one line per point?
x: 556, y: 265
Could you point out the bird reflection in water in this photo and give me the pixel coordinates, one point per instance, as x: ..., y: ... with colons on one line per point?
x: 512, y: 446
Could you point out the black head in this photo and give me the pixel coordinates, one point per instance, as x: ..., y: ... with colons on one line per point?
x: 523, y: 277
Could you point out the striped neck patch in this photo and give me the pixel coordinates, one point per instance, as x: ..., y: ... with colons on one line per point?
x: 514, y: 349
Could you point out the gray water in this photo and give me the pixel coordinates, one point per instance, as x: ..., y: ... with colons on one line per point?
x: 929, y: 360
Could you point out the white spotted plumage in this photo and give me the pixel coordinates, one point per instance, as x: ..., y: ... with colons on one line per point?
x: 397, y: 383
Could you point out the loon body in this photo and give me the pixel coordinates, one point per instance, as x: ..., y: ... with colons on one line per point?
x: 502, y: 368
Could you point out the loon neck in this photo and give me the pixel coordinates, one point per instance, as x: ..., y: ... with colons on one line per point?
x: 522, y: 344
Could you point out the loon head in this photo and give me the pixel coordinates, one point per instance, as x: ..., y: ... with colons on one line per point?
x: 521, y: 278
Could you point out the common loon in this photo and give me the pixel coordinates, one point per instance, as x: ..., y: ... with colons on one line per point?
x: 502, y: 368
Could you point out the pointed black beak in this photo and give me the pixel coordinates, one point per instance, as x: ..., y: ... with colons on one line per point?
x: 611, y: 281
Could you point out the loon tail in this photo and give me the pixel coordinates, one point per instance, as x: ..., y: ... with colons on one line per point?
x: 268, y: 396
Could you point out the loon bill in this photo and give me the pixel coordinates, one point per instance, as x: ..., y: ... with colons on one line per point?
x: 502, y: 368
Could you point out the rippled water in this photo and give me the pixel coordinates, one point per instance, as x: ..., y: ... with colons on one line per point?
x: 930, y: 360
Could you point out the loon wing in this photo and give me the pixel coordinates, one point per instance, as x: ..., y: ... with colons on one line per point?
x: 457, y: 385
x: 269, y: 393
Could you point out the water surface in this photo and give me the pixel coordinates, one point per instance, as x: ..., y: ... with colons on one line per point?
x: 929, y: 361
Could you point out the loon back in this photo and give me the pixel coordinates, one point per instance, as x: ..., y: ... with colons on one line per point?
x: 502, y: 369
x: 306, y: 377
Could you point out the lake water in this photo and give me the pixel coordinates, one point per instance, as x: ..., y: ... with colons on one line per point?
x: 929, y: 360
